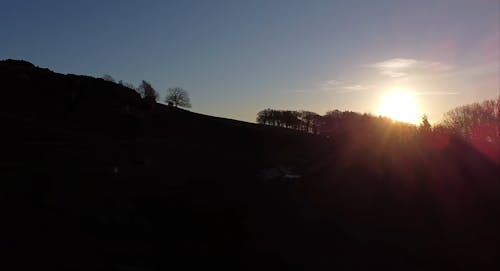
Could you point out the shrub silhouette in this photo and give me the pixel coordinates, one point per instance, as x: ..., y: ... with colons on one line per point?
x: 148, y: 93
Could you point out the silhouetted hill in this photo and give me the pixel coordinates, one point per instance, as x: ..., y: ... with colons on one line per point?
x: 93, y: 178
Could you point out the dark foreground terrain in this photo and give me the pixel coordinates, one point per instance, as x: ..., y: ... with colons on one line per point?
x: 93, y: 178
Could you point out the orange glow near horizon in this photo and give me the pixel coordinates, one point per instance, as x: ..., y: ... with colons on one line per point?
x: 399, y: 105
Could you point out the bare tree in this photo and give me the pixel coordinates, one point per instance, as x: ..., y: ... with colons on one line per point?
x: 309, y: 121
x: 177, y: 96
x: 474, y: 121
x: 148, y: 93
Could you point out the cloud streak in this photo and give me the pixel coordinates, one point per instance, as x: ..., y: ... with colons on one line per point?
x: 393, y: 68
x: 341, y: 87
x: 330, y: 85
x: 401, y: 67
x: 333, y: 86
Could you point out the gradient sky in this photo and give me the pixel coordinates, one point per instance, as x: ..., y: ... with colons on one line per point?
x: 238, y: 57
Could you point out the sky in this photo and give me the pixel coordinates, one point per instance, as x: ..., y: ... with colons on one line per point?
x: 238, y: 57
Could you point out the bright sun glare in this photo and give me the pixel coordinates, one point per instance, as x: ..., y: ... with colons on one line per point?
x: 399, y: 105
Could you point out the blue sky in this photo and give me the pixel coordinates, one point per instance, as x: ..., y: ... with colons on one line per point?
x: 238, y: 57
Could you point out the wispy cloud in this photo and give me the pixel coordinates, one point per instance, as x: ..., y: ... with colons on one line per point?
x: 341, y: 87
x: 353, y: 88
x: 400, y: 67
x: 396, y: 63
x: 336, y: 86
x: 330, y: 85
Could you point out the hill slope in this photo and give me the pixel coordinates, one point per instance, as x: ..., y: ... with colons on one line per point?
x: 108, y: 181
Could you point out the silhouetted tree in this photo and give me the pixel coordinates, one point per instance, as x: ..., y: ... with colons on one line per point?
x: 479, y: 124
x: 264, y: 116
x: 281, y: 118
x: 300, y: 120
x: 478, y: 121
x: 310, y: 121
x: 425, y: 126
x: 336, y: 123
x: 178, y: 96
x: 148, y: 93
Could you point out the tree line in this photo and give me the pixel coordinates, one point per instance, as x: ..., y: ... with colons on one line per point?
x: 312, y: 122
x: 477, y: 123
x: 300, y: 120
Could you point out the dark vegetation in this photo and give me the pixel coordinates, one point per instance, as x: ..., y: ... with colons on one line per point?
x: 94, y: 176
x: 177, y: 96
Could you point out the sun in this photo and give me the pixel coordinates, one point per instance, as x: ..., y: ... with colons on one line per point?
x: 399, y: 105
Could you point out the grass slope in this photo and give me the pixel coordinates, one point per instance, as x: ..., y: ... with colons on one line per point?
x: 92, y: 178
